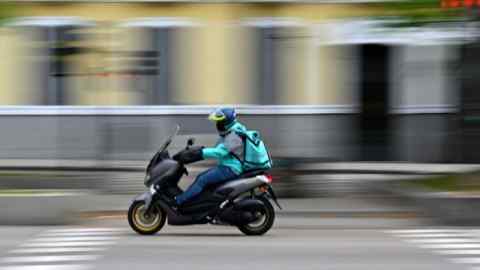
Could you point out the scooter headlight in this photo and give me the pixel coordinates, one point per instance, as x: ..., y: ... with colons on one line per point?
x: 152, y: 189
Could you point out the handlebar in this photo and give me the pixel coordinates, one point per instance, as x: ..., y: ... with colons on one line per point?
x: 189, y: 155
x: 190, y: 143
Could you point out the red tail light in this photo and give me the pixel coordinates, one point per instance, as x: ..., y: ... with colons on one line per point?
x: 269, y: 177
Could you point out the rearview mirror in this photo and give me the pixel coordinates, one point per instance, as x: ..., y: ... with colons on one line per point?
x: 191, y: 141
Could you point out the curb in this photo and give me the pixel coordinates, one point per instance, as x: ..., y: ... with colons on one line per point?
x: 440, y: 207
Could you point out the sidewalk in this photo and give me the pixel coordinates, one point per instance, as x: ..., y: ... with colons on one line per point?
x: 348, y: 185
x: 345, y: 207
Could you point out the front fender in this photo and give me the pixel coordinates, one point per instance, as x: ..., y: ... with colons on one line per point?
x: 145, y: 197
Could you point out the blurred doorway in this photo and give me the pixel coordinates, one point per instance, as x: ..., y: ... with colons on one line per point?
x: 149, y: 60
x: 374, y: 88
x: 278, y: 60
x: 470, y: 103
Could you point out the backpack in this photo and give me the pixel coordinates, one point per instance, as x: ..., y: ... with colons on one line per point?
x: 255, y: 152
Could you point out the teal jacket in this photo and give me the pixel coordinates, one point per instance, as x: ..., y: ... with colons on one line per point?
x: 227, y: 148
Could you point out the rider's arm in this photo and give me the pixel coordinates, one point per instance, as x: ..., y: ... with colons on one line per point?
x: 231, y: 144
x: 217, y: 152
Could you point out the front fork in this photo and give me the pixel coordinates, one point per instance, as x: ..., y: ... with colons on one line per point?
x: 147, y: 197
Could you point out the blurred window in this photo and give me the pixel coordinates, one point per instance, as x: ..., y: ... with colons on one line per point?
x: 278, y: 59
x: 150, y: 58
x: 55, y: 44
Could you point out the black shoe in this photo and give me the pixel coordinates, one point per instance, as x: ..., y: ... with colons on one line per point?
x: 174, y: 205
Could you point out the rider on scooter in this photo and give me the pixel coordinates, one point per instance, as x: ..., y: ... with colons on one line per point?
x: 228, y: 151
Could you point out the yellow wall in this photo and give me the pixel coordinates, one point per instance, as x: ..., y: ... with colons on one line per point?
x: 212, y: 59
x: 15, y: 77
x: 208, y: 12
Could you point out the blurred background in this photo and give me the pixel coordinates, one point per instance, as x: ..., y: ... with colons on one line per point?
x: 366, y: 81
x: 370, y: 110
x: 343, y: 92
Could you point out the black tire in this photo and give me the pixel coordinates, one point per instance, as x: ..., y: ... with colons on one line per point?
x: 135, y: 214
x: 259, y: 229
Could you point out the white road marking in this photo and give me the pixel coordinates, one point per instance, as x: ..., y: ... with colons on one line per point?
x: 466, y: 260
x: 74, y: 239
x: 61, y: 249
x: 57, y: 250
x: 443, y: 240
x: 460, y: 246
x: 415, y: 231
x: 49, y: 259
x: 58, y: 234
x: 87, y: 230
x: 451, y: 246
x: 434, y: 235
x: 459, y: 252
x: 46, y: 267
x: 68, y: 244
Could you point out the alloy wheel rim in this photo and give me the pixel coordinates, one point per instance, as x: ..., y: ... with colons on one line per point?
x: 146, y: 222
x: 260, y: 221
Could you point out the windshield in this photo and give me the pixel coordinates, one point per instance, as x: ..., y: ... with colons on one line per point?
x: 169, y: 139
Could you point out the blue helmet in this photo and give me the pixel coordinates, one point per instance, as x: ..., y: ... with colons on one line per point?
x: 224, y: 118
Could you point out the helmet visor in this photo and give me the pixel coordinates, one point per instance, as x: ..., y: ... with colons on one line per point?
x: 217, y: 116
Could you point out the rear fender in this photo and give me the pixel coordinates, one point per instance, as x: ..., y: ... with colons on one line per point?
x: 273, y: 196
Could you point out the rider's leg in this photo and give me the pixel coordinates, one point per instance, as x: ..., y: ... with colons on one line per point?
x: 211, y: 176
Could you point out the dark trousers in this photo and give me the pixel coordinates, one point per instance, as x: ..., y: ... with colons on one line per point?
x: 211, y: 176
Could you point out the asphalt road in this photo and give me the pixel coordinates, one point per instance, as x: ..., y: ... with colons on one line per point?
x: 295, y: 243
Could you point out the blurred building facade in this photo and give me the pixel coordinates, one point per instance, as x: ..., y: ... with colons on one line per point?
x: 168, y: 53
x: 99, y: 80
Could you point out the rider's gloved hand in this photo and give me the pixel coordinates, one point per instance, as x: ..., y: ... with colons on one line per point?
x: 190, y: 155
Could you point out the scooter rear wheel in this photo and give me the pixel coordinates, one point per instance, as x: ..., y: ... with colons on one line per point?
x: 266, y: 217
x: 144, y: 223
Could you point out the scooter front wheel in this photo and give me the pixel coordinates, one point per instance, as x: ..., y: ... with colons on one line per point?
x: 146, y: 223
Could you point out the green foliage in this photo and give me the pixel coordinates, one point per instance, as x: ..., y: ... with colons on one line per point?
x: 419, y: 12
x: 7, y: 10
x: 468, y: 182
